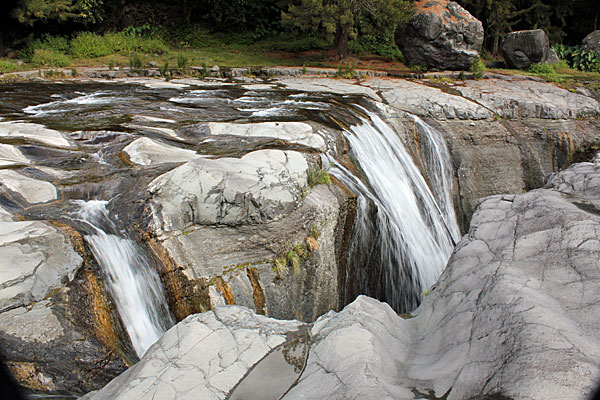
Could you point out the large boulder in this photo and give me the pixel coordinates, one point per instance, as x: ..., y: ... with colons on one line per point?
x: 592, y: 42
x: 441, y: 35
x: 523, y: 48
x: 514, y: 315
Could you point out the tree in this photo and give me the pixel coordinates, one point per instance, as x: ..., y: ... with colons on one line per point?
x: 338, y: 18
x: 31, y: 11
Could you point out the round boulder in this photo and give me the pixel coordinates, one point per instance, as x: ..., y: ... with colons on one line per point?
x: 523, y: 48
x: 592, y: 42
x: 441, y: 35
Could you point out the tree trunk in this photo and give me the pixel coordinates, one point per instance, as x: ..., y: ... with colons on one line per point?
x: 340, y: 44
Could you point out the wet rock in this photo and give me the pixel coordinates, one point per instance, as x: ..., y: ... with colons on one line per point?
x: 33, y: 132
x: 441, y: 35
x: 213, y: 350
x: 32, y: 190
x: 514, y: 315
x: 261, y: 186
x: 145, y: 151
x: 523, y: 48
x: 35, y: 259
x: 291, y: 132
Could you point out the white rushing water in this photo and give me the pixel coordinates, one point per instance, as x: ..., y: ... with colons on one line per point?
x: 415, y: 229
x: 135, y: 287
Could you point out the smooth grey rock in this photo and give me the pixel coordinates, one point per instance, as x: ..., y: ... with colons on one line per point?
x: 145, y: 151
x: 327, y: 85
x: 551, y: 57
x: 33, y: 132
x: 441, y: 35
x: 261, y: 186
x: 35, y: 259
x: 592, y: 42
x: 32, y: 190
x: 228, y: 253
x: 10, y: 155
x: 428, y: 101
x: 37, y: 324
x: 523, y: 48
x: 528, y: 99
x: 292, y: 132
x: 203, y: 356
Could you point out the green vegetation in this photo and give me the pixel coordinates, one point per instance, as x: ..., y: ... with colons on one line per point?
x: 477, y: 69
x: 340, y: 20
x: 318, y: 177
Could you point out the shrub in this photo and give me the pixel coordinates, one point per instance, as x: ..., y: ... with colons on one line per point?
x: 51, y: 58
x: 7, y: 66
x: 477, y: 69
x: 181, y: 62
x: 46, y: 42
x: 135, y: 63
x: 318, y: 177
x: 541, y: 68
x: 92, y: 45
x: 376, y: 44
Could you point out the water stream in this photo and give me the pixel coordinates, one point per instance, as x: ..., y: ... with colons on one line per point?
x: 135, y: 287
x: 414, y: 231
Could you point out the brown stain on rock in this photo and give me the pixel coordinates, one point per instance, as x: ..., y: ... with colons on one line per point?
x: 224, y: 288
x: 184, y: 296
x: 257, y: 292
x: 30, y: 376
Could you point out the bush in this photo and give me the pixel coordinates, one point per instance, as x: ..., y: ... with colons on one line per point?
x: 541, y: 68
x: 578, y: 58
x: 58, y: 44
x: 92, y: 45
x: 7, y: 66
x: 51, y: 58
x: 477, y: 69
x: 135, y: 63
x: 375, y: 44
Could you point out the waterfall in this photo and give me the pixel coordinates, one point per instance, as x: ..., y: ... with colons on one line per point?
x: 135, y: 287
x: 414, y: 231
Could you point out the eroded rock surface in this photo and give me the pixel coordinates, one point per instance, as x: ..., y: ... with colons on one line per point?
x: 145, y: 151
x: 35, y: 259
x: 441, y: 35
x: 514, y: 315
x: 213, y: 350
x: 31, y: 190
x: 261, y: 186
x: 592, y: 42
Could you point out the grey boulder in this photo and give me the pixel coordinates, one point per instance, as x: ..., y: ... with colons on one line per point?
x: 441, y: 35
x: 592, y: 42
x: 523, y: 48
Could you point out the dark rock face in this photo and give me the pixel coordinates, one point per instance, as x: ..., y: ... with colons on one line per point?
x: 523, y: 48
x: 592, y: 42
x: 441, y: 35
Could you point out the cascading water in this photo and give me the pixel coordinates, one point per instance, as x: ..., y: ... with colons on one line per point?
x: 414, y: 235
x: 134, y: 286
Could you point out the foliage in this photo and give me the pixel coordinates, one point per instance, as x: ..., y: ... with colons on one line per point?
x: 51, y: 58
x: 477, y: 69
x: 91, y: 45
x: 376, y: 44
x: 578, y: 58
x: 293, y: 260
x: 31, y: 11
x: 318, y: 177
x: 181, y: 62
x: 340, y: 19
x: 7, y: 66
x: 541, y: 68
x: 280, y: 267
x: 135, y: 62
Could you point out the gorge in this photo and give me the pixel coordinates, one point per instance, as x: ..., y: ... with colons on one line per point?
x: 237, y: 200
